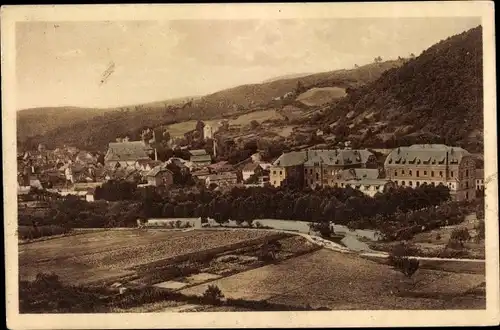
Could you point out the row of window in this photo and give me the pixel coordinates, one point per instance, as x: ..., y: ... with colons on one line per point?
x: 281, y: 172
x: 425, y: 173
x: 410, y: 183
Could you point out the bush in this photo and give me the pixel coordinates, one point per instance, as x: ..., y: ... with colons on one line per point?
x: 399, y: 259
x: 461, y: 235
x: 213, y: 295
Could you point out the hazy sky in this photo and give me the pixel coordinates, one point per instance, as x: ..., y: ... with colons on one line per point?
x: 63, y: 63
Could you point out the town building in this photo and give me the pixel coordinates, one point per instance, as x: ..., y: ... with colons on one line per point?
x: 160, y: 176
x: 208, y: 132
x: 222, y: 180
x: 433, y: 164
x: 201, y: 174
x: 126, y: 154
x: 200, y: 157
x: 251, y: 169
x: 314, y: 168
x: 220, y: 167
x: 366, y: 180
x: 479, y: 179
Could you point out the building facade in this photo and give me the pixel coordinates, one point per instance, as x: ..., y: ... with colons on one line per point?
x: 159, y: 176
x: 126, y: 154
x: 313, y: 168
x: 433, y: 164
x: 480, y: 179
x: 222, y: 180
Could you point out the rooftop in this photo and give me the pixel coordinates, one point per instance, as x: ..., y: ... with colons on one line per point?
x: 198, y: 152
x: 123, y: 151
x: 425, y: 154
x: 157, y: 169
x: 337, y: 157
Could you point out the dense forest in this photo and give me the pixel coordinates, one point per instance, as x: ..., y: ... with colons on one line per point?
x: 436, y: 97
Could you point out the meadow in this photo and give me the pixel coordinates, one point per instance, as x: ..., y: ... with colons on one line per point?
x: 178, y: 129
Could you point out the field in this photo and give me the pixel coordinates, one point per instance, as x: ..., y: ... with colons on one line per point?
x: 179, y: 129
x: 346, y: 282
x: 319, y: 96
x: 105, y: 256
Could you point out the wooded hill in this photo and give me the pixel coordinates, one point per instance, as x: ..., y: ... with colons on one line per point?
x: 93, y: 129
x: 436, y: 97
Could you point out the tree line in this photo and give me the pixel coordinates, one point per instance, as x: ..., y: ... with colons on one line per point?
x: 120, y: 204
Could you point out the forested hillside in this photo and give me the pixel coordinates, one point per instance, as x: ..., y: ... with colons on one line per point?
x: 95, y: 128
x: 436, y: 97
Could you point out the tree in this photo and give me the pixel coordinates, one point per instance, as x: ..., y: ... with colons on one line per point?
x: 480, y: 231
x: 460, y: 235
x: 269, y: 250
x: 378, y: 59
x: 254, y: 124
x: 213, y: 295
x: 400, y: 260
x: 199, y: 126
x: 300, y: 88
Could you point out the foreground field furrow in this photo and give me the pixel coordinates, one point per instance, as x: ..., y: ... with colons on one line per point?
x: 99, y: 255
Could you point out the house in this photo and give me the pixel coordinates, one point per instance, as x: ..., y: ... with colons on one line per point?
x: 147, y: 164
x: 201, y: 174
x: 433, y: 164
x: 250, y: 170
x: 90, y: 196
x: 318, y: 167
x: 220, y: 167
x: 479, y: 179
x: 208, y: 131
x: 221, y: 180
x: 126, y: 154
x: 200, y: 157
x: 160, y: 176
x: 86, y: 158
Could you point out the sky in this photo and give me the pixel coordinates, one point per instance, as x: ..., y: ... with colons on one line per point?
x: 108, y: 64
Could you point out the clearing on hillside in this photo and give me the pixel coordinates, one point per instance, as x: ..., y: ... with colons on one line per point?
x: 320, y: 96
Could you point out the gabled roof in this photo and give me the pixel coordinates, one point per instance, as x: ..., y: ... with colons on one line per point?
x: 250, y: 167
x: 198, y: 152
x: 201, y: 158
x: 222, y: 176
x: 158, y: 169
x: 421, y: 154
x: 337, y: 157
x: 126, y: 151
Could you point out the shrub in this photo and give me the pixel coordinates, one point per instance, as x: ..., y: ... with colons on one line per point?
x: 438, y: 236
x: 213, y: 295
x: 178, y: 224
x: 399, y: 259
x: 460, y: 235
x: 258, y: 224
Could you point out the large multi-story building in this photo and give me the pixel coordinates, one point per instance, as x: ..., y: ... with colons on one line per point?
x: 318, y: 167
x: 126, y: 154
x: 433, y: 164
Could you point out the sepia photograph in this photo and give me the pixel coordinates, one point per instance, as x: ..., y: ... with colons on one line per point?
x: 210, y: 162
